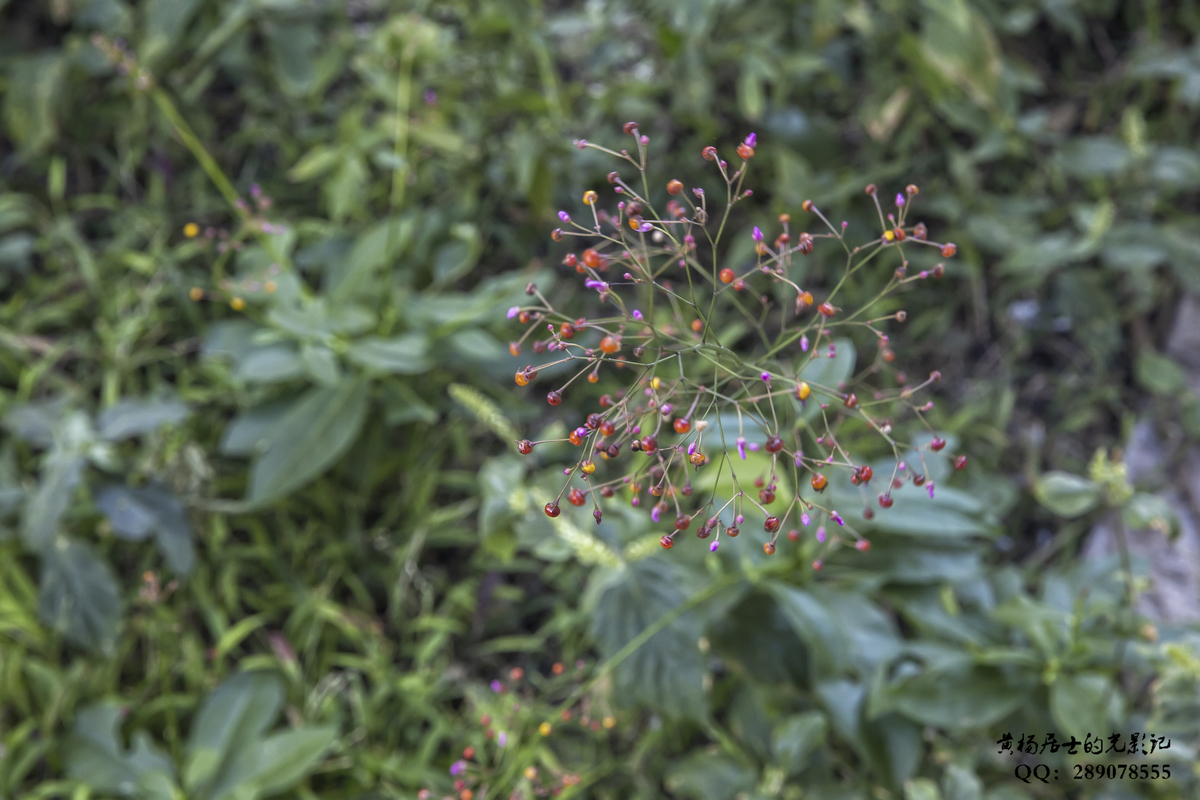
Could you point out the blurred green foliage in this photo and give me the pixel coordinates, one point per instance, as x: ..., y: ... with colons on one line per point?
x: 325, y: 472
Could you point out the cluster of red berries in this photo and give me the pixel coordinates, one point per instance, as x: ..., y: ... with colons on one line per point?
x: 684, y: 376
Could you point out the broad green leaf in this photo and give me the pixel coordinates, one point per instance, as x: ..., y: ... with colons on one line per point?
x: 399, y: 355
x: 379, y: 245
x: 921, y: 789
x: 960, y: 783
x: 271, y: 765
x: 136, y: 513
x: 1067, y: 495
x: 1078, y: 704
x: 134, y: 417
x: 667, y: 671
x: 1150, y: 511
x: 1158, y: 373
x: 78, y: 595
x: 292, y: 45
x: 95, y: 755
x: 271, y: 363
x: 59, y: 479
x: 796, y: 737
x: 164, y: 22
x: 315, y: 162
x: 246, y: 435
x: 321, y: 364
x: 233, y: 718
x: 1089, y: 156
x: 317, y: 430
x: 707, y: 776
x: 32, y: 92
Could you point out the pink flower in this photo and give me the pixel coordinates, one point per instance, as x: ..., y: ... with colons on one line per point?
x: 512, y: 312
x: 712, y: 548
x: 741, y: 447
x: 752, y: 141
x: 803, y: 344
x: 758, y: 234
x: 805, y: 519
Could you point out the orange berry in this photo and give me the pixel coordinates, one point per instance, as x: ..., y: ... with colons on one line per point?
x: 806, y: 298
x: 196, y: 293
x: 819, y: 482
x: 948, y: 250
x: 521, y: 379
x: 674, y: 187
x: 697, y: 325
x: 592, y: 377
x: 666, y: 542
x: 769, y: 548
x: 682, y: 425
x: 807, y: 205
x: 514, y: 348
x: 851, y: 400
x: 557, y: 669
x: 727, y: 275
x: 592, y: 258
x: 698, y: 459
x: 566, y: 330
x: 610, y: 344
x: 745, y: 151
x: 709, y: 153
x: 574, y: 438
x: 826, y: 310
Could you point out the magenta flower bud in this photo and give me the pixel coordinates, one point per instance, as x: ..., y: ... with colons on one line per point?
x: 635, y: 430
x: 799, y: 459
x: 748, y: 193
x: 929, y: 488
x: 581, y: 143
x: 645, y: 227
x: 458, y: 767
x: 803, y: 344
x: 766, y: 376
x: 628, y: 277
x: 752, y: 141
x: 758, y: 234
x: 741, y: 447
x: 845, y: 224
x: 902, y: 466
x: 497, y: 687
x: 666, y: 409
x: 739, y: 519
x: 821, y: 534
x: 430, y: 97
x: 638, y: 315
x: 723, y: 163
x: 805, y: 518
x: 837, y: 518
x: 689, y: 239
x: 832, y: 351
x: 635, y: 502
x: 754, y: 447
x: 698, y: 192
x: 564, y: 216
x: 502, y: 738
x: 512, y: 312
x: 655, y: 514
x: 899, y: 200
x: 645, y: 139
x: 691, y: 449
x: 618, y: 189
x: 712, y: 548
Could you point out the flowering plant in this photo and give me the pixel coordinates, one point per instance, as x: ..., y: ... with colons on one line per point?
x: 663, y: 281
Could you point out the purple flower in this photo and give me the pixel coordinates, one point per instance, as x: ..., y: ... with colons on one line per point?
x: 741, y: 447
x: 595, y: 284
x: 899, y: 200
x: 752, y: 141
x: 564, y: 216
x: 832, y: 351
x: 803, y: 344
x: 430, y: 97
x: 821, y: 534
x: 837, y: 518
x: 902, y: 466
x: 712, y: 548
x: 645, y: 227
x: 581, y: 143
x: 739, y: 519
x: 754, y: 447
x: 929, y: 488
x: 845, y: 224
x: 512, y: 312
x: 691, y: 448
x: 497, y: 687
x: 645, y: 139
x: 766, y: 376
x: 502, y: 738
x: 799, y: 459
x: 758, y: 234
x: 698, y: 192
x: 638, y: 315
x: 805, y: 518
x: 458, y: 767
x: 655, y: 514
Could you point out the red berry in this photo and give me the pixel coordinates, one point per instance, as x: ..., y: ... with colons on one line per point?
x: 524, y: 447
x: 630, y: 127
x: 818, y: 565
x: 567, y: 331
x: 937, y: 444
x: 666, y: 542
x: 826, y: 310
x: 793, y: 535
x: 709, y: 153
x: 774, y: 444
x: 769, y: 548
x: 771, y: 524
x: 727, y: 275
x: 851, y: 400
x: 865, y: 473
x: 960, y: 462
x: 948, y: 250
x: 682, y: 425
x: 592, y: 258
x: 732, y: 530
x: 576, y: 498
x: 682, y: 522
x: 554, y: 398
x: 885, y: 501
x: 607, y: 428
x: 766, y: 497
x: 610, y: 344
x: 918, y: 480
x: 745, y: 151
x: 552, y: 510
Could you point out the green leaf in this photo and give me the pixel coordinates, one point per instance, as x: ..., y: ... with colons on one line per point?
x: 274, y: 764
x: 32, y: 88
x: 60, y: 477
x: 134, y: 417
x: 667, y: 672
x: 1067, y: 495
x: 94, y: 755
x: 705, y: 776
x: 1158, y: 373
x: 321, y: 364
x: 137, y: 513
x: 292, y: 45
x: 78, y: 595
x: 1091, y: 156
x: 314, y: 163
x: 1077, y: 703
x: 1150, y: 511
x: 959, y: 783
x: 246, y: 435
x: 399, y: 355
x: 233, y: 718
x: 164, y: 22
x: 824, y: 375
x: 796, y: 737
x: 272, y: 363
x: 921, y: 789
x: 317, y: 430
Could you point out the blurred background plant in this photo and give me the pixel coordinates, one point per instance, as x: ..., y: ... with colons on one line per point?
x: 254, y: 262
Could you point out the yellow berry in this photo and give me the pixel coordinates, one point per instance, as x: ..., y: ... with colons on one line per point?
x: 269, y: 287
x: 530, y: 773
x: 589, y: 197
x: 609, y: 722
x: 237, y: 304
x: 655, y: 383
x: 544, y: 729
x: 588, y: 467
x: 191, y: 230
x: 803, y: 390
x: 888, y: 235
x: 196, y: 293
